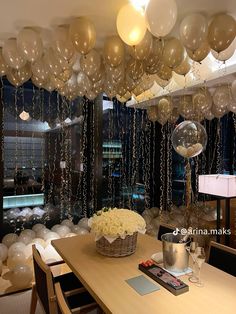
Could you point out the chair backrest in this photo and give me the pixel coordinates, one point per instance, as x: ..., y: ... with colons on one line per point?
x: 222, y: 257
x: 63, y: 306
x: 44, y: 283
x: 164, y: 228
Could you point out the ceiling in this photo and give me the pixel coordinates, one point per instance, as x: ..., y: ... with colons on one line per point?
x: 47, y: 13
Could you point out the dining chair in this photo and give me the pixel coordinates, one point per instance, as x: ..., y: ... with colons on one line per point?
x: 82, y: 303
x: 164, y: 228
x: 44, y: 288
x: 222, y: 257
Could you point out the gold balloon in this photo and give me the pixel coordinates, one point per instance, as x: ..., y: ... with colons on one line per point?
x: 151, y: 64
x: 200, y: 53
x: 58, y: 84
x: 142, y: 50
x: 130, y: 25
x: 186, y: 107
x: 52, y: 62
x: 90, y: 63
x: 114, y: 51
x: 24, y: 73
x: 39, y: 69
x: 65, y: 75
x: 11, y: 54
x: 37, y: 82
x: 13, y: 79
x: 222, y: 31
x: 4, y: 68
x: 165, y: 108
x: 135, y: 69
x: 152, y: 113
x: 91, y: 95
x: 173, y: 53
x: 193, y: 31
x: 62, y: 45
x: 202, y: 100
x: 164, y: 72
x: 30, y: 44
x: 161, y: 82
x: 174, y: 116
x: 19, y: 77
x: 84, y: 82
x: 218, y: 112
x: 116, y: 74
x: 225, y: 54
x: 222, y: 97
x: 49, y: 86
x: 184, y: 67
x: 137, y: 90
x: 82, y: 34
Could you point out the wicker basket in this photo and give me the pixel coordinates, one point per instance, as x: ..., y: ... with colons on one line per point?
x: 119, y: 247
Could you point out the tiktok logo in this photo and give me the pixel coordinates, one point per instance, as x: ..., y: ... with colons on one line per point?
x: 176, y: 231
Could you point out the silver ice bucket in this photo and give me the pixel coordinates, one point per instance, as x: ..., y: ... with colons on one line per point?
x: 175, y: 255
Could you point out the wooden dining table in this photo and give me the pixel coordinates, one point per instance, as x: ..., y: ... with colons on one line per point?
x: 105, y: 278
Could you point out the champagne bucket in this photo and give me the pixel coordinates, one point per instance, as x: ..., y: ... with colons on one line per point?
x: 175, y: 255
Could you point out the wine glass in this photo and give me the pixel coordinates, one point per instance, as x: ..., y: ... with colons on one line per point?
x: 200, y: 259
x: 192, y: 252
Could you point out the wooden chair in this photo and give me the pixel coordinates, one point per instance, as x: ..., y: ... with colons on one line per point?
x: 75, y: 304
x: 164, y: 228
x: 222, y: 257
x: 44, y: 287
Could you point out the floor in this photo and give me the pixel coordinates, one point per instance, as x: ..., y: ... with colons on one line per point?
x: 18, y: 303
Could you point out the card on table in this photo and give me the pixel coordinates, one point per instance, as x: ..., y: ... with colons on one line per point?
x: 142, y: 285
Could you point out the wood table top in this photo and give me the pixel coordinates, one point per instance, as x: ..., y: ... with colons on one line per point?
x: 104, y: 277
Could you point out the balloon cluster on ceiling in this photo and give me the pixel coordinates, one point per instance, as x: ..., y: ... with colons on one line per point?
x: 198, y: 106
x: 71, y: 65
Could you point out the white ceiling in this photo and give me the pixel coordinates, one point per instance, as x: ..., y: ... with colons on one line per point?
x: 15, y: 14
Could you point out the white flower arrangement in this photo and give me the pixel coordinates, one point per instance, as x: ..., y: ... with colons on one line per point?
x: 117, y: 222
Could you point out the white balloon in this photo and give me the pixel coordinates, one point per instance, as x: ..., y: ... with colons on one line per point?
x: 71, y: 234
x: 83, y: 223
x: 51, y: 236
x: 67, y: 222
x: 51, y: 253
x: 38, y: 211
x: 38, y: 227
x: 161, y: 16
x: 30, y: 233
x: 21, y: 276
x: 26, y: 212
x: 55, y: 228
x: 75, y: 228
x: 82, y: 231
x: 16, y: 247
x: 42, y: 232
x: 63, y: 231
x: 17, y: 258
x: 9, y: 239
x: 225, y: 54
x: 39, y: 241
x: 3, y: 252
x: 24, y: 238
x: 28, y: 250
